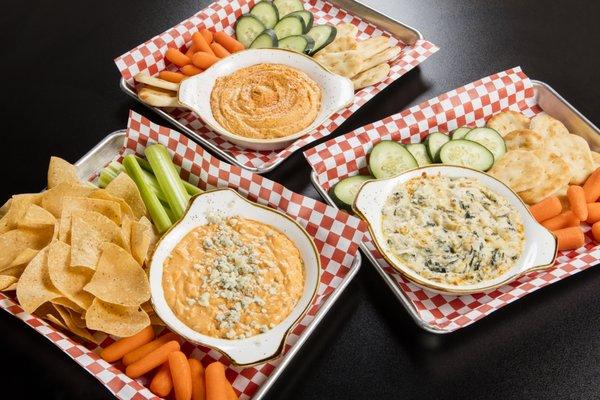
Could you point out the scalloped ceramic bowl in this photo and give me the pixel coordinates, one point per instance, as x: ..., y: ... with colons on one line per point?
x: 540, y: 244
x: 194, y: 92
x: 228, y: 203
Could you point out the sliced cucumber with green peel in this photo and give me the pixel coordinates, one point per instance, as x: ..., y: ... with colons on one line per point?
x: 434, y: 142
x: 419, y: 152
x: 344, y: 192
x: 291, y: 25
x: 298, y: 43
x: 247, y: 29
x: 322, y: 35
x: 307, y: 17
x: 266, y: 13
x: 284, y: 7
x: 466, y: 153
x: 266, y: 40
x: 389, y: 158
x: 489, y: 138
x: 460, y: 133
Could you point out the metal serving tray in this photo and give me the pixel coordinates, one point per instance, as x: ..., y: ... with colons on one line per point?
x: 404, y: 32
x: 110, y: 147
x: 549, y: 101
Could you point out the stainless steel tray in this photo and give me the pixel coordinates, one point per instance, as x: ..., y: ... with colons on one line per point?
x: 549, y: 101
x: 104, y: 152
x: 404, y: 32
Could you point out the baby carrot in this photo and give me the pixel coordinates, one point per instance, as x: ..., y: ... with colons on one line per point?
x: 121, y: 347
x: 208, y: 36
x: 170, y: 76
x: 140, y: 352
x: 151, y: 360
x: 228, y: 42
x: 593, y: 213
x: 216, y: 382
x: 231, y: 392
x: 546, y: 209
x: 576, y: 196
x: 561, y: 221
x: 190, y: 70
x: 197, y: 372
x: 596, y: 231
x: 592, y: 187
x: 177, y: 57
x: 570, y: 238
x: 190, y: 52
x: 182, y: 376
x: 200, y: 43
x: 219, y: 50
x: 162, y: 383
x: 204, y: 60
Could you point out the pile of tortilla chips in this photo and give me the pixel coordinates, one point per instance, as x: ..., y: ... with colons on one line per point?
x: 75, y: 254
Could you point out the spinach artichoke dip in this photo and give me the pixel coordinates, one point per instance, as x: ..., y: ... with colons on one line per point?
x: 452, y: 230
x: 233, y: 278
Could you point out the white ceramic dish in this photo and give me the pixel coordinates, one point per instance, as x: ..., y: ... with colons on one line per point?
x: 194, y: 92
x: 540, y: 244
x: 228, y: 203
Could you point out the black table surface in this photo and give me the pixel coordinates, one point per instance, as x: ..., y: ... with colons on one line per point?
x: 61, y: 97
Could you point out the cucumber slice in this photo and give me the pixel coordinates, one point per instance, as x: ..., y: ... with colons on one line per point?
x: 460, y: 133
x: 344, y: 192
x: 307, y: 17
x: 419, y: 152
x: 288, y: 6
x: 389, y: 158
x: 289, y: 26
x: 299, y: 43
x: 247, y: 28
x: 434, y: 142
x: 266, y: 40
x: 467, y: 153
x: 489, y: 138
x: 266, y: 13
x: 322, y: 35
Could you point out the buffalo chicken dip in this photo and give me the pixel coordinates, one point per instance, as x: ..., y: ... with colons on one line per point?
x: 452, y: 230
x: 233, y: 278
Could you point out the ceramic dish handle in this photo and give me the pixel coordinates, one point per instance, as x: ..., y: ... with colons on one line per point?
x: 345, y: 90
x: 547, y: 248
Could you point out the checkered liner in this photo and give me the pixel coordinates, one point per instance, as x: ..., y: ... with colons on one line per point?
x: 471, y: 104
x: 222, y: 15
x: 335, y: 233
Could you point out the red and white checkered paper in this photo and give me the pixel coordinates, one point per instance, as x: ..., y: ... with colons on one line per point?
x: 221, y: 15
x: 336, y: 235
x: 472, y: 105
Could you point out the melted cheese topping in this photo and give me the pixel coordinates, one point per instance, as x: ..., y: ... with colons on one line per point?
x: 452, y: 230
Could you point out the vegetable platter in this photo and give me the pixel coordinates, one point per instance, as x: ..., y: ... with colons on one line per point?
x: 291, y: 30
x: 509, y: 93
x: 335, y: 234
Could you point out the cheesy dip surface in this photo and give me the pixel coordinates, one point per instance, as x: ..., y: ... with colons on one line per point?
x: 452, y: 230
x: 233, y: 278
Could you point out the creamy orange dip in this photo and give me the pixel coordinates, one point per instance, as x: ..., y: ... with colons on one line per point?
x: 265, y: 101
x: 233, y: 278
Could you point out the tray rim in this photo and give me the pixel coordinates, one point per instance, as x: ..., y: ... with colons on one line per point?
x: 117, y: 137
x: 400, y: 295
x: 346, y: 5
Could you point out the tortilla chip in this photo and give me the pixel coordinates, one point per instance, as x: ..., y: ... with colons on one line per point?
x: 6, y: 281
x: 64, y: 229
x: 5, y: 207
x: 110, y: 209
x: 124, y: 187
x: 36, y: 217
x: 61, y: 171
x: 116, y: 320
x: 104, y: 195
x: 69, y: 281
x: 89, y: 230
x: 72, y: 326
x: 52, y: 199
x: 126, y: 232
x: 141, y: 238
x: 35, y: 287
x: 19, y: 204
x: 56, y: 321
x: 118, y: 278
x: 13, y: 243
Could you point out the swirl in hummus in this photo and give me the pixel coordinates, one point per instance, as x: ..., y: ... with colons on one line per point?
x: 233, y: 278
x: 452, y: 230
x: 265, y: 101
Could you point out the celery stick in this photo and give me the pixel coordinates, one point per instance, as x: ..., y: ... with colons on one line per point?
x: 168, y: 178
x: 157, y: 212
x: 191, y: 189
